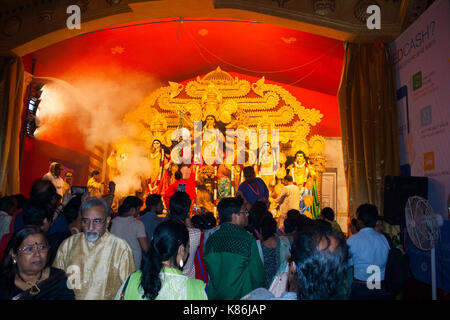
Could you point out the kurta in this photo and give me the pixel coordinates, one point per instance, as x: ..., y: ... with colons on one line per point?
x: 233, y: 263
x: 288, y: 199
x: 104, y: 265
x: 95, y: 188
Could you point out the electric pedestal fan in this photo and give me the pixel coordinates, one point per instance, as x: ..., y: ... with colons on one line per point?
x: 423, y: 229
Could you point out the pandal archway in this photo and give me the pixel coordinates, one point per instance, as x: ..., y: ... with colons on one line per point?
x: 237, y: 104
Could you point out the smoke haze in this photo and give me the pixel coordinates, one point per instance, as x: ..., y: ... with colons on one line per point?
x: 96, y: 107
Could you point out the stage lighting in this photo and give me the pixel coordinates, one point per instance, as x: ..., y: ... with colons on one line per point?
x: 32, y: 112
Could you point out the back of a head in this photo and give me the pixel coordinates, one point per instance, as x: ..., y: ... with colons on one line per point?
x: 248, y: 171
x: 296, y: 222
x: 291, y: 222
x: 368, y: 214
x: 268, y: 226
x: 178, y: 175
x: 256, y: 213
x: 323, y: 223
x: 43, y: 191
x: 322, y: 259
x: 34, y: 213
x: 129, y: 203
x: 228, y: 206
x: 152, y: 201
x: 197, y: 221
x: 72, y: 209
x: 7, y: 204
x: 293, y: 213
x: 179, y: 206
x: 327, y: 213
x: 288, y: 178
x: 167, y: 238
x: 94, y: 173
x: 209, y: 220
x: 21, y: 200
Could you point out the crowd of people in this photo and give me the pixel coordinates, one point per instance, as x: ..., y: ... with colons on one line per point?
x: 60, y: 245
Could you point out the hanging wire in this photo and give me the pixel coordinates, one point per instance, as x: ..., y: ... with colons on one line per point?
x: 263, y: 71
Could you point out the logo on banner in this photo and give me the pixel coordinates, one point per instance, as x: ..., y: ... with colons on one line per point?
x: 428, y: 161
x: 425, y: 116
x: 417, y: 81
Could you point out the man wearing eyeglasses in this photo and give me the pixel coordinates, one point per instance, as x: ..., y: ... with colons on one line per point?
x: 231, y: 255
x: 96, y: 261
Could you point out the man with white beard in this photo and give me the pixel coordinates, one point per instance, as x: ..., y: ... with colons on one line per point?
x: 95, y: 261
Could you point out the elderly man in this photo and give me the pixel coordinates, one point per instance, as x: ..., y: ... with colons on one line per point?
x: 96, y: 261
x: 54, y: 176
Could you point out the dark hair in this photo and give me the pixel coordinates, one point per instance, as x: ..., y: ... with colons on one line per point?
x: 21, y: 200
x: 323, y: 223
x: 228, y: 206
x: 327, y: 213
x: 94, y: 173
x: 152, y: 200
x: 197, y: 221
x: 129, y: 203
x: 43, y: 191
x: 368, y: 214
x: 296, y: 222
x: 354, y: 223
x: 179, y: 205
x: 268, y: 226
x: 304, y: 155
x: 256, y: 213
x: 178, y: 175
x: 204, y: 221
x: 288, y: 178
x: 72, y: 209
x: 321, y: 258
x: 248, y: 171
x: 8, y: 269
x: 167, y: 238
x: 34, y: 213
x: 7, y: 204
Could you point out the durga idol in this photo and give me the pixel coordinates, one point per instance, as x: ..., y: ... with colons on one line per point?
x: 159, y: 160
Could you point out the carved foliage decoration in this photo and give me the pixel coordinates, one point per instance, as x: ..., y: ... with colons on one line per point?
x: 234, y: 102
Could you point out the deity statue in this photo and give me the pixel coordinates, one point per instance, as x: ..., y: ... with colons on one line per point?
x: 211, y: 152
x: 304, y: 177
x: 158, y: 180
x: 113, y: 164
x: 267, y: 165
x: 221, y: 101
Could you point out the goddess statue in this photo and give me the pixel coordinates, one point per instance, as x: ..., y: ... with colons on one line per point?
x: 266, y: 165
x: 304, y: 177
x: 158, y: 180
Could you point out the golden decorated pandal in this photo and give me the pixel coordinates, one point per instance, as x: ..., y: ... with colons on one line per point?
x: 238, y: 104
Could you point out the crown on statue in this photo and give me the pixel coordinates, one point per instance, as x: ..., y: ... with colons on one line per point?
x: 214, y: 105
